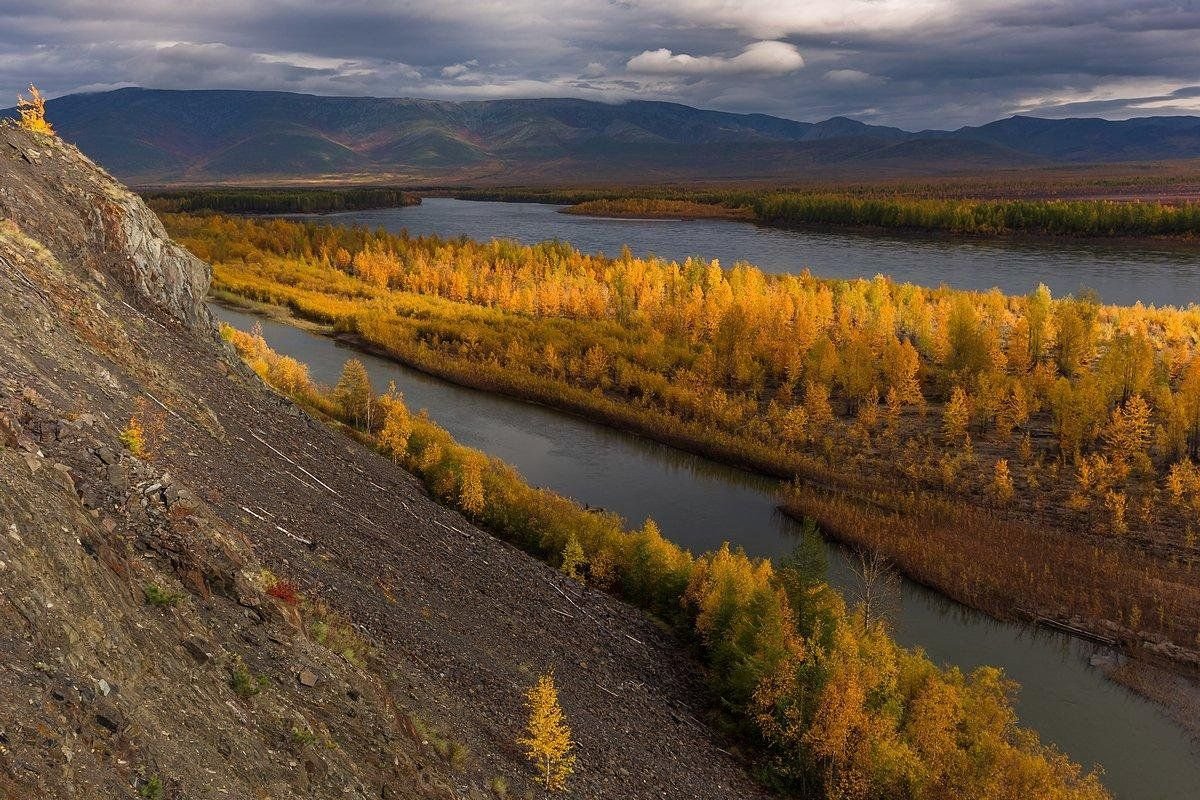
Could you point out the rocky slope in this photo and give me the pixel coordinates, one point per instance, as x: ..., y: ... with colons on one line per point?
x: 144, y: 652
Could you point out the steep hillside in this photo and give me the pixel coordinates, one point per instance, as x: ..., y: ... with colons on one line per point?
x: 142, y: 644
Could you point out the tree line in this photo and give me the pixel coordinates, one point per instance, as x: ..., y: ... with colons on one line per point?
x: 278, y: 201
x: 909, y: 207
x: 834, y: 707
x: 1100, y: 218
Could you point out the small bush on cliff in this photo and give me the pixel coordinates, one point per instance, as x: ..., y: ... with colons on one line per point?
x: 33, y: 112
x: 244, y: 683
x: 152, y: 789
x: 159, y: 597
x: 134, y: 437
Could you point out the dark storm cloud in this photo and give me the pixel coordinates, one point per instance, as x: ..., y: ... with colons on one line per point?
x: 917, y: 63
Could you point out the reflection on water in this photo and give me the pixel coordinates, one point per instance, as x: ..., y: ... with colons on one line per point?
x: 699, y: 504
x: 1154, y: 272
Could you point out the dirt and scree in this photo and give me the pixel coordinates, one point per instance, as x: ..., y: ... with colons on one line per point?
x: 141, y: 654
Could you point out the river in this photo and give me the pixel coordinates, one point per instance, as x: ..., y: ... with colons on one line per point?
x: 699, y: 503
x: 1160, y: 273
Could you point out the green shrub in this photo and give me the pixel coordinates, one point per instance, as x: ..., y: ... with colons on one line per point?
x: 244, y: 683
x: 160, y: 597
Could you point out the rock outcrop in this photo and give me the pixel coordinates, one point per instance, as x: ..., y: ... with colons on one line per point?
x: 90, y: 221
x: 147, y: 648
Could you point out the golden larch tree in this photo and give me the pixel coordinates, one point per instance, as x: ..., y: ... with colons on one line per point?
x: 816, y: 404
x: 470, y: 493
x: 353, y: 393
x: 33, y: 112
x: 1002, y: 482
x: 548, y: 740
x: 397, y: 424
x: 956, y: 416
x: 573, y: 558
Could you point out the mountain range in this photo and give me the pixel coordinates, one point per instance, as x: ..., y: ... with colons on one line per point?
x: 151, y: 136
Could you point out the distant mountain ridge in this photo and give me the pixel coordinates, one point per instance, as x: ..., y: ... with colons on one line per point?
x: 196, y: 136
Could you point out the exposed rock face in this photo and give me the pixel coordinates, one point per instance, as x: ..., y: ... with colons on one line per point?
x: 60, y: 198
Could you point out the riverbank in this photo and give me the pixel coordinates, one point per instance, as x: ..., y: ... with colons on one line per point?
x: 1169, y: 679
x: 700, y: 503
x: 269, y: 200
x: 986, y: 576
x: 583, y: 363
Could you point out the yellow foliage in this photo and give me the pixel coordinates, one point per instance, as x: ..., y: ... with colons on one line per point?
x: 1002, y: 482
x: 470, y: 493
x: 573, y: 558
x: 548, y: 739
x: 1114, y: 502
x: 956, y: 416
x: 33, y: 112
x: 837, y: 702
x: 134, y: 437
x: 712, y: 357
x: 397, y: 424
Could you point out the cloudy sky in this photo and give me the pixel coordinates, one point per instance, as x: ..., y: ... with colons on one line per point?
x: 912, y: 63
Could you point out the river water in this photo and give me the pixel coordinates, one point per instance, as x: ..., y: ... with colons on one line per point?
x: 1158, y: 273
x: 699, y: 503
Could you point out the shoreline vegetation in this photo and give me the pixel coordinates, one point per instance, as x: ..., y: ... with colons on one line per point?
x: 1045, y: 445
x: 810, y: 503
x: 827, y: 702
x: 1091, y: 219
x: 234, y: 200
x: 645, y: 208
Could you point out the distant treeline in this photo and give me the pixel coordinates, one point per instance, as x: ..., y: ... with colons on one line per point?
x: 864, y: 208
x: 983, y: 217
x: 648, y: 208
x: 731, y: 198
x: 279, y: 201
